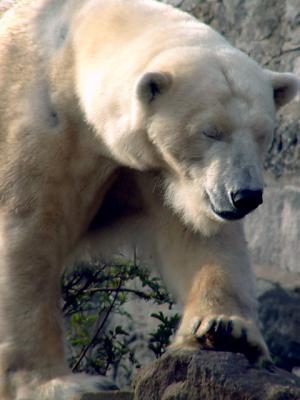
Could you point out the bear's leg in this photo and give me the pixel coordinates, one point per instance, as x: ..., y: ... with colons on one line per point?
x: 213, y: 279
x: 216, y: 316
x: 32, y: 363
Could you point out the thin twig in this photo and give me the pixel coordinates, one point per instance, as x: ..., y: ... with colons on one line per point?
x: 80, y: 291
x: 88, y: 346
x: 133, y: 291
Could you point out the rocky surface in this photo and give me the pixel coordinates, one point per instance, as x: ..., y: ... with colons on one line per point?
x: 268, y: 31
x: 279, y: 314
x: 208, y: 375
x: 273, y: 230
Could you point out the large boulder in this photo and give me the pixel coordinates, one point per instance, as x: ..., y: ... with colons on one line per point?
x: 209, y: 375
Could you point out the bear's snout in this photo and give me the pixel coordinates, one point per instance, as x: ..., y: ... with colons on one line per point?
x: 247, y: 200
x: 237, y: 204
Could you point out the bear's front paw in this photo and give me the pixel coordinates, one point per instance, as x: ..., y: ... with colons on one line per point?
x: 225, y: 333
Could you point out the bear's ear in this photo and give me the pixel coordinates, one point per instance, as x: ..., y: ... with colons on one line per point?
x: 285, y: 87
x: 153, y: 84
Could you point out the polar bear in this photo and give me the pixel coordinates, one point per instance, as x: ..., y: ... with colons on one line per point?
x: 125, y: 122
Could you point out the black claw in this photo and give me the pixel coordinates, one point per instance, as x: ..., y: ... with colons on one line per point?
x: 196, y: 327
x: 213, y: 328
x: 229, y: 328
x: 219, y: 337
x: 220, y: 330
x: 244, y: 335
x: 217, y: 326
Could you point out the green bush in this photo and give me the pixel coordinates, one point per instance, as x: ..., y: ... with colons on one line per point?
x: 93, y: 294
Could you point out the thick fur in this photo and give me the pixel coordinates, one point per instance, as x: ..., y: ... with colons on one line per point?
x: 124, y: 123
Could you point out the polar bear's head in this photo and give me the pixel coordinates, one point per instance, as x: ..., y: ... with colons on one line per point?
x: 210, y: 119
x: 203, y: 119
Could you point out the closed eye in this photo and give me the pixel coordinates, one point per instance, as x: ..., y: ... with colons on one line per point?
x: 213, y: 133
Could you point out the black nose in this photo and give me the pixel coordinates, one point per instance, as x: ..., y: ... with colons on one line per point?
x: 246, y: 200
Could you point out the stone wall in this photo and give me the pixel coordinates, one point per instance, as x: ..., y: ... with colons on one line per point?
x: 273, y: 232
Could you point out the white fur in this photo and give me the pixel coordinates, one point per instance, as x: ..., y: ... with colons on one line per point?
x: 79, y: 123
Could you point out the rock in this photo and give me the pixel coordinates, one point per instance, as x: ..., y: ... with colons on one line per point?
x: 273, y: 230
x: 209, y: 375
x: 279, y: 314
